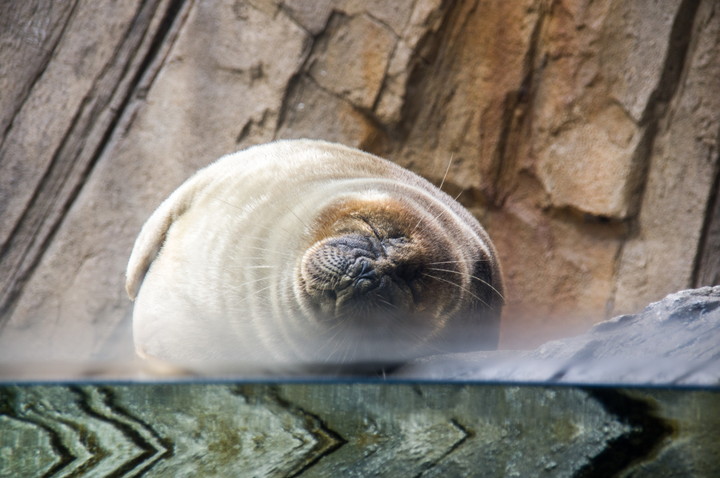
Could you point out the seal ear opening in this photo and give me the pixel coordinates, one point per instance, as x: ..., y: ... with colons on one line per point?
x: 153, y: 233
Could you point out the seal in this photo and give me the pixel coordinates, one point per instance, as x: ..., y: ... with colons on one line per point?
x: 299, y: 254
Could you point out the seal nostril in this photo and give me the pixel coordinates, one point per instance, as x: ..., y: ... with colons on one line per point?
x: 361, y: 268
x: 367, y: 272
x: 366, y: 280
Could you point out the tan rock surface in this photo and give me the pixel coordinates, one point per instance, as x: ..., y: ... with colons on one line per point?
x: 663, y: 251
x: 583, y: 135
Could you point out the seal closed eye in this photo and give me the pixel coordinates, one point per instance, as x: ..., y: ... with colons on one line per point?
x: 301, y: 253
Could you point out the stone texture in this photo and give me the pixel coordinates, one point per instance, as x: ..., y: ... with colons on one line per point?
x: 674, y: 341
x: 76, y: 299
x: 708, y: 260
x: 563, y: 258
x: 44, y: 156
x: 310, y: 106
x: 351, y: 61
x: 661, y: 253
x: 583, y: 134
x: 355, y: 430
x: 604, y: 61
x: 590, y: 166
x: 29, y: 34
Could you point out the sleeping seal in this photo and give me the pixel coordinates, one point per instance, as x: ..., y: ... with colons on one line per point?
x: 298, y: 255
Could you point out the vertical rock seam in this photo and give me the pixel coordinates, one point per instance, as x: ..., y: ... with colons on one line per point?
x: 19, y: 259
x: 706, y: 269
x: 680, y: 37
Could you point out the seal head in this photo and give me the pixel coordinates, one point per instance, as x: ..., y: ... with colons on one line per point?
x: 381, y: 271
x: 369, y: 266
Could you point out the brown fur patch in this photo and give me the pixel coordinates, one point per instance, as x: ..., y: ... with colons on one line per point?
x: 389, y: 217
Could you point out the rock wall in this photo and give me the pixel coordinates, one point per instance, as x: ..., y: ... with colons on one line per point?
x: 584, y: 135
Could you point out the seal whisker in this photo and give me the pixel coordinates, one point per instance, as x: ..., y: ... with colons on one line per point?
x: 228, y: 203
x: 260, y: 257
x: 389, y: 304
x: 447, y: 170
x: 254, y: 294
x: 458, y: 286
x: 298, y: 218
x: 413, y: 333
x: 482, y: 281
x: 332, y: 342
x: 347, y: 352
x: 339, y: 341
x: 436, y: 217
x: 265, y: 249
x: 251, y: 258
x: 267, y: 228
x: 235, y: 206
x: 243, y: 266
x: 237, y: 287
x: 469, y: 261
x: 260, y: 230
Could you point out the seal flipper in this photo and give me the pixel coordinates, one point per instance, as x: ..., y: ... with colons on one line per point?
x: 153, y: 233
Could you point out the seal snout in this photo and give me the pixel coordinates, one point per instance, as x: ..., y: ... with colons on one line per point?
x: 353, y: 274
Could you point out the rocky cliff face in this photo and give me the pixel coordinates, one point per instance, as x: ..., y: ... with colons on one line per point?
x: 583, y: 135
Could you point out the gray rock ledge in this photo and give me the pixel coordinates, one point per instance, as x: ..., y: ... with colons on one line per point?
x: 673, y: 341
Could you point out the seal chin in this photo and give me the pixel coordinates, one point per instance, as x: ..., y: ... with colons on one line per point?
x: 356, y: 276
